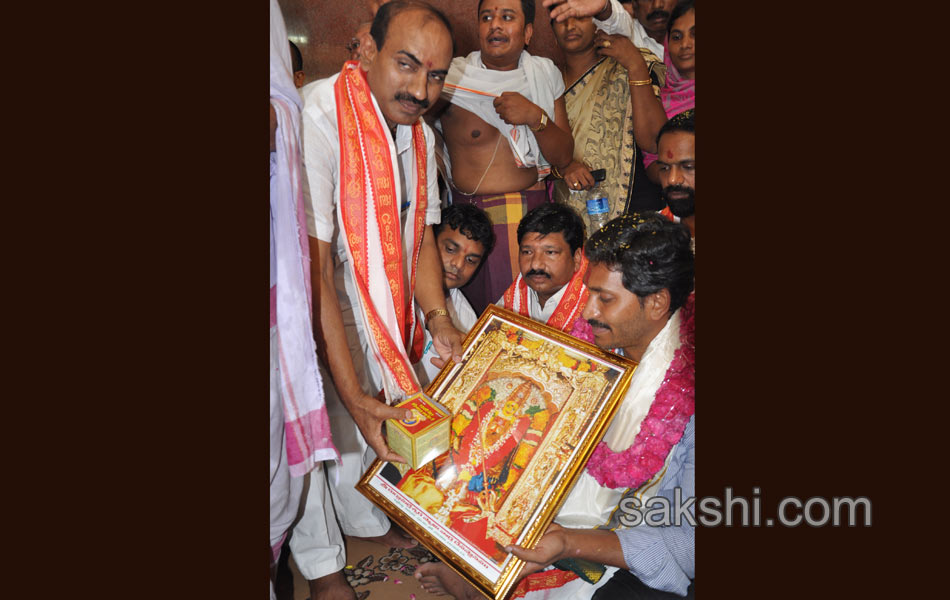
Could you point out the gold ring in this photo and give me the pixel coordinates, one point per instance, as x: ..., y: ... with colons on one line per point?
x: 576, y: 184
x: 606, y: 43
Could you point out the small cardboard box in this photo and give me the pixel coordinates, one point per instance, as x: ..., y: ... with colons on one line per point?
x: 422, y: 437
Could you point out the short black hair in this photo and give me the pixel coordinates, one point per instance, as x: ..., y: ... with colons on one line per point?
x: 527, y: 7
x: 554, y: 217
x: 682, y: 7
x: 471, y: 221
x: 386, y: 12
x: 684, y: 121
x: 652, y: 252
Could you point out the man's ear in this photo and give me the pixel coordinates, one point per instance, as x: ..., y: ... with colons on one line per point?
x: 657, y: 305
x: 299, y: 77
x: 368, y: 51
x: 528, y: 32
x: 578, y: 256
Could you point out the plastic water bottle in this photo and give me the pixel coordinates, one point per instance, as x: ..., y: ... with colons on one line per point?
x: 598, y: 208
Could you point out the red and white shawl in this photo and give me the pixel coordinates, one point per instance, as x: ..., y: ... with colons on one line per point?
x: 369, y: 217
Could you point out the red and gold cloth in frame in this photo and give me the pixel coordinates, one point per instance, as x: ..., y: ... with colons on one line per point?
x: 568, y: 310
x: 365, y: 162
x: 542, y: 581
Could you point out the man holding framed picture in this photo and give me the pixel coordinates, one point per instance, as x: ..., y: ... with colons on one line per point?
x: 641, y: 304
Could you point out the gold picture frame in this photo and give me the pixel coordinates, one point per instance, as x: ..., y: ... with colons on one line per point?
x: 529, y: 403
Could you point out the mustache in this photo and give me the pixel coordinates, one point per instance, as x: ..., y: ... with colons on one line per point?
x: 404, y: 97
x: 497, y: 33
x: 536, y: 272
x: 598, y: 324
x: 659, y: 13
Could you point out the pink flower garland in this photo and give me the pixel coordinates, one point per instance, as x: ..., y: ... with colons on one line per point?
x: 582, y: 330
x: 662, y: 428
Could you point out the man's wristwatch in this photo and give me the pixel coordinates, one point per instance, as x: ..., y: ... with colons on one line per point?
x: 544, y: 121
x: 435, y: 312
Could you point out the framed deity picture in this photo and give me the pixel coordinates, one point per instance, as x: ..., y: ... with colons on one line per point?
x: 527, y: 405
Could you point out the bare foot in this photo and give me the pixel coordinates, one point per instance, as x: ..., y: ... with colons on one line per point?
x: 394, y: 538
x: 438, y: 579
x: 331, y: 587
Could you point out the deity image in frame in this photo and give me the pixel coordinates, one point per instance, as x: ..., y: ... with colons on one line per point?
x: 528, y: 404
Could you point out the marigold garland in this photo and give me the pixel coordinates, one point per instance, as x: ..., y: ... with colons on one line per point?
x: 662, y: 428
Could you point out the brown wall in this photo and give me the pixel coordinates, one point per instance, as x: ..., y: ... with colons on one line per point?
x: 328, y: 25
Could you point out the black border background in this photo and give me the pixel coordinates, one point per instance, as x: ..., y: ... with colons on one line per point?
x: 137, y: 432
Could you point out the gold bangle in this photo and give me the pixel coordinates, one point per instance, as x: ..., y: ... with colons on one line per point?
x: 435, y: 312
x: 640, y: 81
x: 557, y: 174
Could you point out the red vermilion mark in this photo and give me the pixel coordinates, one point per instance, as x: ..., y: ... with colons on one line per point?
x: 669, y: 154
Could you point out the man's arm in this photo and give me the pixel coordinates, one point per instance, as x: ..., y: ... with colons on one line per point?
x: 562, y: 9
x: 368, y: 412
x: 557, y: 143
x: 597, y: 545
x: 662, y: 557
x: 446, y: 339
x: 555, y: 140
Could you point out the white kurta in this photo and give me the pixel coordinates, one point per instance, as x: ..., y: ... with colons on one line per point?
x: 316, y: 550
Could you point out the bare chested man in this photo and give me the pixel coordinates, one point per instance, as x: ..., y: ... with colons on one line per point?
x: 499, y: 92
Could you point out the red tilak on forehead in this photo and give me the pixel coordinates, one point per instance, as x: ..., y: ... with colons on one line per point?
x: 669, y: 154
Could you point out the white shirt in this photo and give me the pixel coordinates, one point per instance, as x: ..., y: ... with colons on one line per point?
x: 321, y: 153
x: 321, y: 157
x: 535, y: 311
x: 620, y: 22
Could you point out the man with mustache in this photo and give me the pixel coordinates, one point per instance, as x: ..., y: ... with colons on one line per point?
x: 504, y: 127
x: 550, y: 286
x: 371, y: 201
x: 676, y: 157
x: 464, y: 237
x: 641, y: 305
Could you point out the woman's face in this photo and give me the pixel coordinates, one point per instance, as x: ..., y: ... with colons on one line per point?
x: 682, y: 45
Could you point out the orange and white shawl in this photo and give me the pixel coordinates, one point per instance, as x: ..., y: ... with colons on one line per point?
x: 370, y: 223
